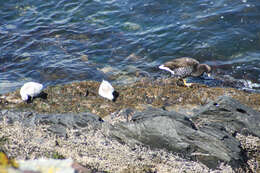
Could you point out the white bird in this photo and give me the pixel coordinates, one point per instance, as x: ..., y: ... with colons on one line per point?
x: 30, y: 90
x: 106, y: 90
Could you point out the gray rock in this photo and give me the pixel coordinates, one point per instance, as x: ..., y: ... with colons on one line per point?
x: 227, y: 114
x: 12, y: 116
x: 208, y: 137
x: 57, y: 122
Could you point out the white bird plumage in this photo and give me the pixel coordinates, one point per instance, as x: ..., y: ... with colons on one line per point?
x: 106, y: 90
x: 30, y: 89
x: 166, y: 68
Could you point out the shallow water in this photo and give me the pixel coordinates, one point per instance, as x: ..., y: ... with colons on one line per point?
x: 55, y: 42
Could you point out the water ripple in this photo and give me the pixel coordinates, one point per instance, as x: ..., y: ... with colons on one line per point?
x: 45, y: 40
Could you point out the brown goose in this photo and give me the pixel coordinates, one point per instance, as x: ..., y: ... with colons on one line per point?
x: 185, y: 67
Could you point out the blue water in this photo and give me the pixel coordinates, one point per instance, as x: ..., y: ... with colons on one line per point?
x: 56, y: 42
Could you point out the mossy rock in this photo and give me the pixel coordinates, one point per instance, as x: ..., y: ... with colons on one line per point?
x: 83, y: 97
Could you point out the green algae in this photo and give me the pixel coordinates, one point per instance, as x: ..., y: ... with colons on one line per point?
x: 55, y: 155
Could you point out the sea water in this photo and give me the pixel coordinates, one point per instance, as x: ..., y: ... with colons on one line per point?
x: 61, y: 41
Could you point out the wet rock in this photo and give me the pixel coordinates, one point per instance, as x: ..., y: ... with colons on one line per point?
x: 208, y: 137
x: 130, y: 26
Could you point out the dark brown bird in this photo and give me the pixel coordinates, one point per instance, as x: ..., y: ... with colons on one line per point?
x: 185, y: 67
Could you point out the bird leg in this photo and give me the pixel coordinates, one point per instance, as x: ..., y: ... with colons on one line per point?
x: 186, y: 84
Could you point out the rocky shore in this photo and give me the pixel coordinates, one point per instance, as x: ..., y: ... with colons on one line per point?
x: 153, y: 126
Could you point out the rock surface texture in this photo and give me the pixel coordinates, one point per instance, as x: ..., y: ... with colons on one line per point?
x: 229, y: 115
x: 209, y: 136
x: 57, y: 123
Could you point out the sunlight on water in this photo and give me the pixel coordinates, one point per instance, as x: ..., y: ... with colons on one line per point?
x: 44, y: 41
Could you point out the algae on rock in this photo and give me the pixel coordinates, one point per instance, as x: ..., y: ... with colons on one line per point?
x: 162, y: 93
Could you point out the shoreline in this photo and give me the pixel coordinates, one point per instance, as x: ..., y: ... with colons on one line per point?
x: 86, y: 144
x: 161, y: 93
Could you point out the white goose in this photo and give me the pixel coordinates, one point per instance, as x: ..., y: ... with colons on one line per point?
x: 106, y: 90
x: 30, y: 90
